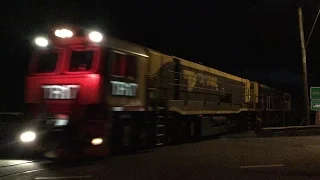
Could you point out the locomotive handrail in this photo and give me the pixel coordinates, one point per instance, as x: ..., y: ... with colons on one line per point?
x: 217, y: 81
x: 195, y: 92
x: 209, y: 89
x: 199, y: 88
x: 212, y: 90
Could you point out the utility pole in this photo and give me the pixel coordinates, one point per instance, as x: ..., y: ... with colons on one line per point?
x: 304, y: 69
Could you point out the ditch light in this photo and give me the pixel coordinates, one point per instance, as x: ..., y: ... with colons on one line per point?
x: 28, y: 136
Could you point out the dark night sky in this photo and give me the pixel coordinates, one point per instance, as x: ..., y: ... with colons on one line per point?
x: 254, y: 39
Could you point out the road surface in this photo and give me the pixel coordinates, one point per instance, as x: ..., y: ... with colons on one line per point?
x: 223, y: 158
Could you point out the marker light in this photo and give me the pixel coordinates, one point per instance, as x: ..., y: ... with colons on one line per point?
x: 28, y: 136
x: 96, y: 141
x: 63, y: 33
x: 41, y: 41
x: 95, y: 36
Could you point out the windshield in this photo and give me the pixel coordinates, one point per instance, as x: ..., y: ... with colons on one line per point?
x: 11, y: 118
x: 81, y: 60
x: 46, y: 62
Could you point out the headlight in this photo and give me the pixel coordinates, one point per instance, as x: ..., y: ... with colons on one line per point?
x: 63, y: 33
x: 41, y: 41
x: 28, y: 136
x: 95, y: 36
x: 96, y: 141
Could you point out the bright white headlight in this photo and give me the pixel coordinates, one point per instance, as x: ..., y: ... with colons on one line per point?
x: 96, y: 141
x: 95, y: 36
x: 41, y: 41
x: 63, y: 33
x: 28, y: 136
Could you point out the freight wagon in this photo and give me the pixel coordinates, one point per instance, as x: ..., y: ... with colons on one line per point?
x: 95, y: 95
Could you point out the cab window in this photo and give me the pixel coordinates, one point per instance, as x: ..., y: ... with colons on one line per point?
x: 81, y: 60
x: 123, y: 65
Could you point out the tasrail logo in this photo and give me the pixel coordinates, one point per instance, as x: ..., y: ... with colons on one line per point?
x: 203, y: 79
x: 60, y: 91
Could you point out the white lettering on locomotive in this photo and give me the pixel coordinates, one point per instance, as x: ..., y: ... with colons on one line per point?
x: 60, y: 91
x: 124, y: 89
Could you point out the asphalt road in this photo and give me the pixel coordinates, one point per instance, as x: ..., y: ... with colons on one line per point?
x: 223, y: 158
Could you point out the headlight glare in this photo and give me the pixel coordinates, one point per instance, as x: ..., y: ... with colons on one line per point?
x: 28, y: 136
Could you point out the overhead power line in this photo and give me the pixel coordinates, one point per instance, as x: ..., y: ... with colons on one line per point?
x: 314, y: 23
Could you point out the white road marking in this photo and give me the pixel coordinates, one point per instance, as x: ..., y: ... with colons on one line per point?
x: 19, y: 173
x: 64, y: 177
x: 7, y: 163
x: 263, y: 166
x: 31, y: 171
